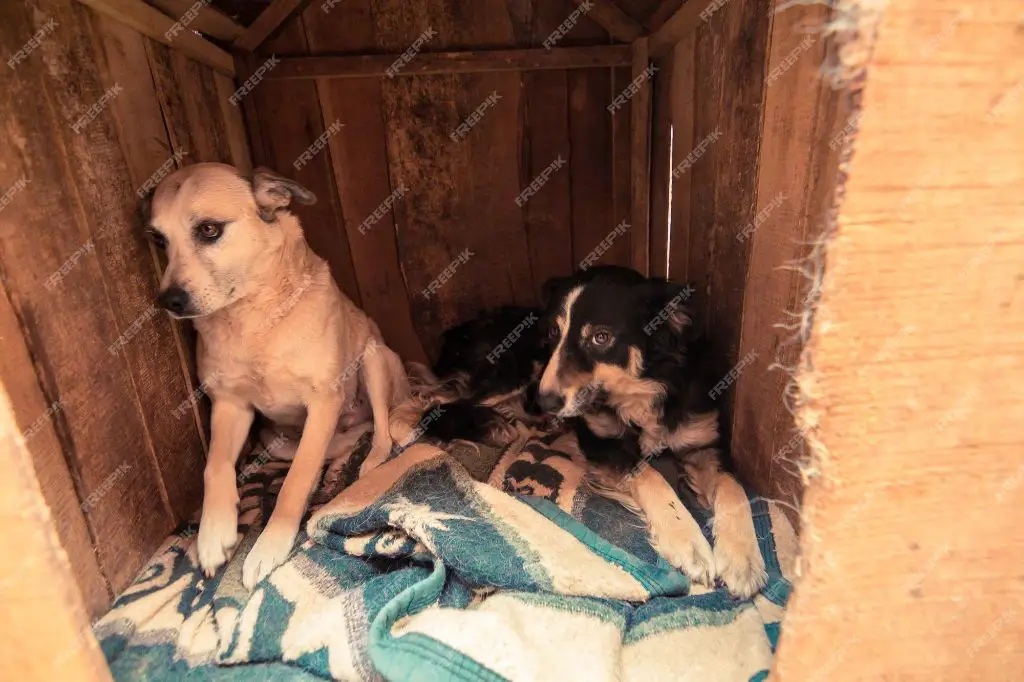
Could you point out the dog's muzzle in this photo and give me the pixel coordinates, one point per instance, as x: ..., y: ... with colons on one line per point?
x: 175, y: 300
x: 550, y: 402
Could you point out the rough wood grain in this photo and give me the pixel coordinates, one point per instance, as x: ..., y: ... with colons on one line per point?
x: 153, y: 23
x: 208, y: 19
x: 688, y: 161
x: 912, y: 541
x: 462, y: 190
x: 46, y: 629
x: 234, y: 124
x: 359, y: 163
x: 291, y: 120
x: 730, y: 63
x: 640, y: 160
x: 34, y: 412
x: 158, y: 358
x: 661, y: 165
x: 71, y: 326
x: 684, y: 22
x: 622, y: 162
x: 796, y: 173
x: 459, y: 61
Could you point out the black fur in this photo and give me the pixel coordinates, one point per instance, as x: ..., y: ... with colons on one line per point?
x: 462, y: 420
x: 629, y: 307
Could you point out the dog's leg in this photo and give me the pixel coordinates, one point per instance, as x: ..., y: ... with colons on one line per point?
x: 674, y: 532
x: 386, y: 385
x: 738, y: 560
x: 218, y: 526
x: 276, y: 541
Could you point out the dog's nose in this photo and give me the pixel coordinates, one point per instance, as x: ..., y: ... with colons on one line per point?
x: 550, y: 402
x: 174, y: 299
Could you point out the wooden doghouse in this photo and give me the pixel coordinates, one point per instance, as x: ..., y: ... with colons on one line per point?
x: 843, y: 186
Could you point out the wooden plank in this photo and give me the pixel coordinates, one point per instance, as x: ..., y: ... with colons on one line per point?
x: 160, y: 358
x: 793, y: 195
x: 607, y: 14
x: 234, y: 124
x: 730, y: 60
x: 34, y: 411
x: 918, y: 460
x: 640, y: 160
x: 46, y: 629
x: 360, y: 168
x: 590, y: 139
x: 208, y: 20
x: 621, y: 158
x: 246, y: 64
x: 687, y: 162
x: 153, y: 23
x: 453, y: 191
x: 267, y: 22
x: 462, y: 61
x: 291, y: 119
x: 661, y: 166
x: 72, y: 324
x: 545, y: 125
x: 681, y: 24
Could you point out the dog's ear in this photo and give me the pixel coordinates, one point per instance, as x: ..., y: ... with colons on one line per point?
x: 667, y: 304
x: 274, y: 192
x: 553, y: 289
x: 144, y: 209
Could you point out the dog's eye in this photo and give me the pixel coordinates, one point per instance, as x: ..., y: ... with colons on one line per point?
x: 601, y: 338
x: 157, y: 238
x: 210, y: 232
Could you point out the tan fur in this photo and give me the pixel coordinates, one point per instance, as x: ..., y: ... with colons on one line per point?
x: 275, y: 335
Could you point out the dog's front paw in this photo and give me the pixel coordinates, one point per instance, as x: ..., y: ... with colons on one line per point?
x: 677, y: 537
x: 738, y: 560
x: 379, y: 452
x: 692, y: 556
x: 218, y: 534
x: 270, y: 551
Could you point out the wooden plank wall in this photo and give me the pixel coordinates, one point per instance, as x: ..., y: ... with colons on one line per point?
x: 95, y: 374
x: 741, y: 125
x: 458, y: 194
x: 913, y: 542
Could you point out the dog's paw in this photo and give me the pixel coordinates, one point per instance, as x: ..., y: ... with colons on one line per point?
x: 270, y: 551
x: 692, y: 556
x: 218, y: 534
x: 738, y: 560
x: 379, y: 453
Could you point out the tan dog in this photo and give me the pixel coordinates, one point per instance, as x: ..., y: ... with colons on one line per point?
x: 275, y: 335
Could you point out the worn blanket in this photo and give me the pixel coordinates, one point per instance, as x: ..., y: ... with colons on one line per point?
x: 471, y: 564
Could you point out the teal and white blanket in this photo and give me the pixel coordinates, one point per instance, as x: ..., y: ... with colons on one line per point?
x: 466, y: 565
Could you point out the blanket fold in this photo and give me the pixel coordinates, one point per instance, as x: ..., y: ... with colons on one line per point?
x: 424, y: 571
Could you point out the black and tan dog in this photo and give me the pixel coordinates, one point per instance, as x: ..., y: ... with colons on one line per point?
x: 622, y: 361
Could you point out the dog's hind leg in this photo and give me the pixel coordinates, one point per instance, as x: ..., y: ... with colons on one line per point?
x: 275, y: 542
x: 738, y: 560
x: 674, y: 532
x: 218, y: 526
x: 386, y: 385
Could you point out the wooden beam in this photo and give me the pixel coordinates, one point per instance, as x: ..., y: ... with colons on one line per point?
x: 640, y: 159
x: 682, y: 23
x: 377, y: 65
x: 151, y: 22
x: 662, y: 13
x: 267, y: 22
x: 209, y: 20
x: 619, y: 25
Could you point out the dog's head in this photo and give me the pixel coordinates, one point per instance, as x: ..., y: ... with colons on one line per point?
x: 217, y: 227
x: 609, y: 327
